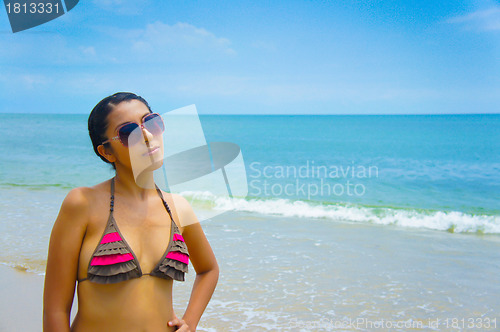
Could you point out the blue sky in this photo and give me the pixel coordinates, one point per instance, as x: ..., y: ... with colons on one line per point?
x: 259, y: 57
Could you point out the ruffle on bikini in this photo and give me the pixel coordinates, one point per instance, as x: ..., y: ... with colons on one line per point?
x: 180, y: 247
x: 109, y: 270
x: 112, y: 251
x: 112, y: 260
x: 114, y: 278
x: 175, y: 263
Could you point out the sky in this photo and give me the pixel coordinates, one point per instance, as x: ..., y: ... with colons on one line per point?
x: 259, y: 57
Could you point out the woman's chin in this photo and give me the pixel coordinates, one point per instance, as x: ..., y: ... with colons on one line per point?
x: 152, y: 165
x: 143, y: 177
x: 155, y: 165
x: 142, y: 167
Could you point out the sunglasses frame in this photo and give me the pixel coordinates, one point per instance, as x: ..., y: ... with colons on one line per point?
x: 117, y: 137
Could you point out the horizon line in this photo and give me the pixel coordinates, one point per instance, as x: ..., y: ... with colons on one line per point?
x: 277, y: 114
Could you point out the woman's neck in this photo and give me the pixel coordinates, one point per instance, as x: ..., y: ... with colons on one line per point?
x: 140, y: 187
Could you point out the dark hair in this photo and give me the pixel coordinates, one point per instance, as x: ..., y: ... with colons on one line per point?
x: 98, y: 118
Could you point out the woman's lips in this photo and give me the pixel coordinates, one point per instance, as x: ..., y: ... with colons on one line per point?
x: 151, y: 151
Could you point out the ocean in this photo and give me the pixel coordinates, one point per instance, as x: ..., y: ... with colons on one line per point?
x: 363, y: 219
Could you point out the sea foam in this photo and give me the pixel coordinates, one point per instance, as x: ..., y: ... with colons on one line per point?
x: 451, y: 221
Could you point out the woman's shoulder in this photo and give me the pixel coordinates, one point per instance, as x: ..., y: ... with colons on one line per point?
x: 180, y: 202
x: 171, y: 198
x: 82, y: 197
x: 181, y: 208
x: 80, y: 204
x: 187, y: 215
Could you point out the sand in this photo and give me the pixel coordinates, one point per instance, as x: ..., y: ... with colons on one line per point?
x: 21, y: 297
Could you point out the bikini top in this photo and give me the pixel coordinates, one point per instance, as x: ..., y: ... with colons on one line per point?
x: 114, y: 261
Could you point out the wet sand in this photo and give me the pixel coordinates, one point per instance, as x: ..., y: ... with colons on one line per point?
x: 21, y: 303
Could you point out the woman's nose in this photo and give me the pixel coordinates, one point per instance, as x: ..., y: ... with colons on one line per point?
x: 146, y: 134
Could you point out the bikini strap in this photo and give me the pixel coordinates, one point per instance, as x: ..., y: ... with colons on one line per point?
x: 110, y: 220
x: 112, y: 202
x: 164, y: 203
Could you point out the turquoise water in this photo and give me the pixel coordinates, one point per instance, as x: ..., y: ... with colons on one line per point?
x: 434, y: 171
x: 442, y: 162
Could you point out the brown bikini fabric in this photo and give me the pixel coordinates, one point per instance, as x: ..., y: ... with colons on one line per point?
x: 114, y: 261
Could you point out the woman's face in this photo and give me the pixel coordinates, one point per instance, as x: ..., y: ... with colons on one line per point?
x: 147, y: 154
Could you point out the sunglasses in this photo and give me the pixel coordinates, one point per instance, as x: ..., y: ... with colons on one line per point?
x: 128, y: 135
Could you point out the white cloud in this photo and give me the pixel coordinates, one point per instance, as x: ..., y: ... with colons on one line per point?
x: 156, y: 43
x: 45, y: 49
x: 90, y: 50
x: 33, y: 80
x: 15, y: 83
x: 180, y: 39
x: 480, y: 20
x: 284, y: 92
x: 160, y: 43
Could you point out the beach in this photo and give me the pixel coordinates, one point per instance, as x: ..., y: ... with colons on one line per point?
x: 22, y: 294
x: 417, y: 246
x: 318, y: 273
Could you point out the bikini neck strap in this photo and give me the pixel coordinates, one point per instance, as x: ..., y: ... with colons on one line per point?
x: 112, y: 202
x: 164, y: 202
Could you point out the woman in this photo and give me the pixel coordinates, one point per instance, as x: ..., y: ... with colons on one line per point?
x: 125, y: 241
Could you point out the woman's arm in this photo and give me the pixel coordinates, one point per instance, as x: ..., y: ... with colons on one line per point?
x: 203, y: 260
x: 62, y: 262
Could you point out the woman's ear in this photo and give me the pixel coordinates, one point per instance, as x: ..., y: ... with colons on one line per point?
x: 106, y: 153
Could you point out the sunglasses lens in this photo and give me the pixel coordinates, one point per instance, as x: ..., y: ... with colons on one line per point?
x: 125, y: 132
x: 154, y: 124
x: 130, y: 135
